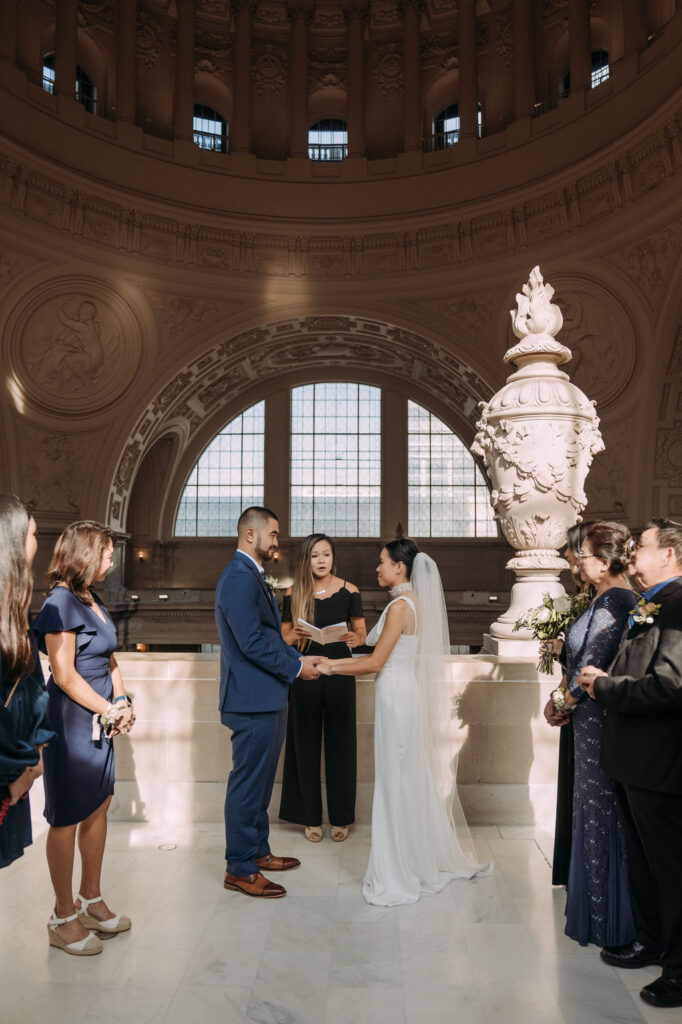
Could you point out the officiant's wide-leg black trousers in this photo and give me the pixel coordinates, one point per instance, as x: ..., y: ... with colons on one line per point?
x: 316, y: 706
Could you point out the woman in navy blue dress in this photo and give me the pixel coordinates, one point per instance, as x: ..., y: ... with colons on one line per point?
x: 87, y: 707
x: 598, y: 907
x: 24, y: 727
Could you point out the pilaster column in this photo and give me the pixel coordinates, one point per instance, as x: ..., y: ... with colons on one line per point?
x: 183, y: 106
x: 126, y: 49
x: 524, y: 59
x: 66, y: 47
x: 8, y: 30
x: 300, y: 14
x: 468, y: 70
x: 412, y: 74
x: 634, y: 26
x: 579, y: 43
x: 240, y: 129
x: 356, y: 12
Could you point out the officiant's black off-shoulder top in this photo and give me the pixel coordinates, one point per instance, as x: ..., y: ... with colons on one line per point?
x: 342, y: 606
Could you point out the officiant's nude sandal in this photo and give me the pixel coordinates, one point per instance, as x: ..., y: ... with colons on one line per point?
x: 314, y: 833
x: 105, y: 929
x: 339, y: 833
x: 89, y: 946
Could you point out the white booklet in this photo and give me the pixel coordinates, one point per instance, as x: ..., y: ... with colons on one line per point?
x: 328, y: 635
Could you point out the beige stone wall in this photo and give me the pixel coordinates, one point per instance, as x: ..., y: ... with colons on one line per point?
x: 175, y: 764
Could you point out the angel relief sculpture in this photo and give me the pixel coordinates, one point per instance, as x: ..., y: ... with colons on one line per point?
x: 72, y: 359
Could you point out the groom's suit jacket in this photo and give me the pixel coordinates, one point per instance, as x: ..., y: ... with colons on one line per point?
x: 256, y: 665
x: 642, y: 697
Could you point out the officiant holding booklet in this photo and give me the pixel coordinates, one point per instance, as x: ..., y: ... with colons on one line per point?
x: 321, y: 599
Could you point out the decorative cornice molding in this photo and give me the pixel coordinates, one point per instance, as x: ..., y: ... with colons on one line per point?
x: 43, y: 199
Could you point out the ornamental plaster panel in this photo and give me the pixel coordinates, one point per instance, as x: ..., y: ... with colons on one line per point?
x: 179, y: 317
x: 148, y: 40
x: 387, y: 69
x: 328, y: 68
x: 55, y: 468
x: 74, y: 345
x: 650, y: 261
x: 504, y: 38
x: 269, y: 69
x: 13, y: 265
x: 219, y: 376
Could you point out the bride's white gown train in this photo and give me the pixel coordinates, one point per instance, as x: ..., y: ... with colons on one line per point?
x: 414, y: 848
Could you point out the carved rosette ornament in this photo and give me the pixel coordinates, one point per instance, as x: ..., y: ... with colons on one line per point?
x: 537, y: 437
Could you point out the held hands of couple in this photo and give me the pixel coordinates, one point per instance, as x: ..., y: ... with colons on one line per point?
x: 310, y: 666
x: 586, y: 679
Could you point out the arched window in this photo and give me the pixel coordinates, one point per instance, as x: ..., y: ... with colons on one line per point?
x: 210, y: 129
x: 447, y: 495
x: 328, y: 140
x: 600, y: 72
x: 84, y: 88
x: 446, y: 127
x: 336, y: 460
x: 227, y: 478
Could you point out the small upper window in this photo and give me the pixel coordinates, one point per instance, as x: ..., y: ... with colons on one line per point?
x: 210, y: 129
x: 328, y: 140
x: 446, y: 127
x: 600, y: 72
x: 600, y: 68
x: 48, y: 72
x: 84, y: 88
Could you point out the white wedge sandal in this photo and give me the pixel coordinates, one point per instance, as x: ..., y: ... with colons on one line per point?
x: 88, y: 946
x: 112, y: 926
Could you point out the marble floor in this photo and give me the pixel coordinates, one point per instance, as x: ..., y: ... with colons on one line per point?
x: 491, y: 950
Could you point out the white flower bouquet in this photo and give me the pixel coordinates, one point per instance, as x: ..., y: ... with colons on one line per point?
x: 551, y: 620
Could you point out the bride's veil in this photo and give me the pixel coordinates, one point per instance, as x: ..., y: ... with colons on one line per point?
x: 433, y: 650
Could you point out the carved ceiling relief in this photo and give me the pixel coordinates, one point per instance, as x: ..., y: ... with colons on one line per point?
x: 602, y: 342
x: 218, y: 376
x: 55, y: 469
x: 269, y: 69
x: 504, y: 38
x: 180, y: 316
x: 650, y: 261
x: 440, y: 50
x: 327, y: 68
x: 668, y: 454
x: 148, y: 40
x: 213, y: 53
x: 388, y: 69
x: 73, y: 341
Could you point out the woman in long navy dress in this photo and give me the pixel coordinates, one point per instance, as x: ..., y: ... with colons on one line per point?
x: 87, y: 707
x: 326, y: 704
x: 24, y: 727
x: 598, y: 907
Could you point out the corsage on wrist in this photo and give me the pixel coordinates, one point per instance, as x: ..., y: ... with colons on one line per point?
x: 107, y: 720
x: 558, y: 698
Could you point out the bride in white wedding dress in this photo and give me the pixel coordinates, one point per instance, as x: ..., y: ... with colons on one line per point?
x: 420, y: 839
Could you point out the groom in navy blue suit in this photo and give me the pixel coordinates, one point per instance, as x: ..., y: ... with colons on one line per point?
x: 256, y: 670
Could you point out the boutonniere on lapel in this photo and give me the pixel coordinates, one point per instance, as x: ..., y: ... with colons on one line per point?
x: 272, y: 583
x: 644, y: 612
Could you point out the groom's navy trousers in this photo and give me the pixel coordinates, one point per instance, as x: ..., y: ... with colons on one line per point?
x: 256, y: 670
x: 257, y: 738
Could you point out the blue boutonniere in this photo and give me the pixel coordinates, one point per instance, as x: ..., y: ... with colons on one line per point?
x: 644, y: 612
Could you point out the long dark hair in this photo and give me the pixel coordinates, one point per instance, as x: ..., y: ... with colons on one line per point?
x: 303, y: 589
x: 77, y: 557
x: 16, y: 588
x: 402, y: 550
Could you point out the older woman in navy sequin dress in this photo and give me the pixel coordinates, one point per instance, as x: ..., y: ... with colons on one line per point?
x: 598, y: 907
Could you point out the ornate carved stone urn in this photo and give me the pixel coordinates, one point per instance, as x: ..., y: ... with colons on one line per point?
x: 537, y: 437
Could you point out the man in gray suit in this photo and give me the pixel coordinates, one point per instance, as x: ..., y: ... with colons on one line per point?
x: 642, y: 750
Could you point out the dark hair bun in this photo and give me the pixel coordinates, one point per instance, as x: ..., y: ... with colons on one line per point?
x: 403, y: 550
x: 613, y: 543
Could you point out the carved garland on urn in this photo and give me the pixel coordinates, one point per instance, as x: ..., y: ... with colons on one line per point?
x: 537, y: 437
x: 222, y: 373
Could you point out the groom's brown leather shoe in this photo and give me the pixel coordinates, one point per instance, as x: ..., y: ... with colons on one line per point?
x: 254, y: 885
x: 272, y: 863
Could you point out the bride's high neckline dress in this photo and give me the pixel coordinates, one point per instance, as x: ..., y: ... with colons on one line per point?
x: 414, y: 845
